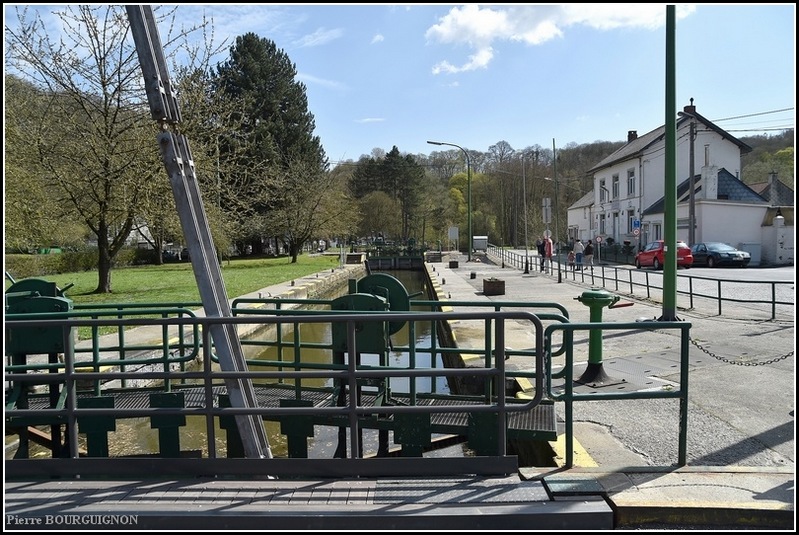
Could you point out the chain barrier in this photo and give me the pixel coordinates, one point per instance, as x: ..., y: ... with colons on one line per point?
x: 738, y: 363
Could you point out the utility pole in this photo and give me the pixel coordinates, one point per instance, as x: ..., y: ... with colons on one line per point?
x: 691, y: 200
x: 524, y: 195
x: 555, y: 176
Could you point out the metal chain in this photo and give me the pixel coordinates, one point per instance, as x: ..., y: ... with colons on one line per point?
x: 728, y: 361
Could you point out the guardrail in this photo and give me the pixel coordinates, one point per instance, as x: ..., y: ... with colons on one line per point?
x: 775, y: 299
x: 71, y: 380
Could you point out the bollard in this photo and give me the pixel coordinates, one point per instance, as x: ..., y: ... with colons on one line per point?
x: 595, y: 299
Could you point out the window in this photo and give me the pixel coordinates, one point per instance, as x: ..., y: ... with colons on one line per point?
x: 602, y: 191
x: 631, y: 182
x: 615, y: 186
x: 630, y: 222
x: 601, y: 223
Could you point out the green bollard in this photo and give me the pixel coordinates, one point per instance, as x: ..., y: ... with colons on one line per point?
x: 595, y: 299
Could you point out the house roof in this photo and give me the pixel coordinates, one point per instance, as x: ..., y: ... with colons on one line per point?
x: 783, y: 195
x: 729, y: 188
x: 637, y: 146
x: 584, y: 202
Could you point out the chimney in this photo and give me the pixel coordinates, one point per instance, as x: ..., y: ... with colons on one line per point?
x: 772, y: 188
x: 690, y: 109
x: 632, y: 135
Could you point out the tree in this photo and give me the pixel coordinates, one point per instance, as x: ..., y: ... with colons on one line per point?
x: 315, y: 203
x: 96, y: 145
x: 401, y: 178
x: 274, y: 110
x: 380, y: 213
x: 33, y: 215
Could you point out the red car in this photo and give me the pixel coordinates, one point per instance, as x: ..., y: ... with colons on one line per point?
x: 653, y: 255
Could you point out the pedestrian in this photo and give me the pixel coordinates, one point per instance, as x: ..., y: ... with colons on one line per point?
x: 578, y: 255
x: 548, y: 248
x: 570, y: 260
x: 589, y: 254
x: 541, y: 254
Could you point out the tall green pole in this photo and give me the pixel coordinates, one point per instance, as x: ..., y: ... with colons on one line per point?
x: 670, y: 210
x: 468, y: 191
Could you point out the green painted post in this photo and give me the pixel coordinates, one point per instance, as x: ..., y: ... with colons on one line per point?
x: 96, y: 428
x: 168, y: 425
x: 297, y: 428
x: 413, y: 432
x: 235, y: 446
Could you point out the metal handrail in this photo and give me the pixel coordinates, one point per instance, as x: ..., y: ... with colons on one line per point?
x: 622, y: 280
x: 70, y: 377
x: 540, y: 370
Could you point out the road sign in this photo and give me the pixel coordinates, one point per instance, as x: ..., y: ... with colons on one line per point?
x: 636, y: 223
x: 546, y: 210
x: 636, y: 231
x: 599, y: 239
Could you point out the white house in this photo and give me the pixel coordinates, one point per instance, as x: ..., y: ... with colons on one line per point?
x: 628, y: 203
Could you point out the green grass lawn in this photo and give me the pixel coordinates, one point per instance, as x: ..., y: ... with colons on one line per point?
x: 175, y: 282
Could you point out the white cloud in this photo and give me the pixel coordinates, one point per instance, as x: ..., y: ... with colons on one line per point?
x: 370, y: 120
x: 308, y: 79
x: 378, y: 39
x: 479, y: 27
x: 320, y: 37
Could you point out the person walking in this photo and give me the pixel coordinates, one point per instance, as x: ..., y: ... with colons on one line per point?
x: 589, y: 255
x: 548, y: 248
x: 579, y: 248
x: 541, y: 254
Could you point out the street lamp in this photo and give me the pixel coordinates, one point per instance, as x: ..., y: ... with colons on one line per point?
x: 468, y: 191
x: 557, y: 238
x: 524, y: 194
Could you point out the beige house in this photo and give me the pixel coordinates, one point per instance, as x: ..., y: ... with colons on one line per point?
x: 627, y: 203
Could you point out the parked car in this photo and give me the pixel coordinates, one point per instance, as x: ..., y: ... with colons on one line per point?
x: 714, y: 254
x: 653, y: 255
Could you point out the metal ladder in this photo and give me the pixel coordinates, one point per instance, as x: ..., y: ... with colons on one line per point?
x: 179, y: 164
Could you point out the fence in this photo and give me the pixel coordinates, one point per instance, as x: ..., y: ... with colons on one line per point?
x: 751, y: 299
x: 69, y: 406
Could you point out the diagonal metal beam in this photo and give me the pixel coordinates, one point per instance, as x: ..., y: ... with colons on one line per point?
x: 179, y: 165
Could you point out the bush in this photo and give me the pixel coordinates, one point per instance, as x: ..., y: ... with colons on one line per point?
x: 24, y: 266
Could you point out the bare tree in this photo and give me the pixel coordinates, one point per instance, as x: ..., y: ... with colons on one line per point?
x: 95, y: 146
x: 98, y: 144
x: 315, y: 204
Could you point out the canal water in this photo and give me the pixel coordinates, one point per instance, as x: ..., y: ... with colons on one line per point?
x: 135, y: 437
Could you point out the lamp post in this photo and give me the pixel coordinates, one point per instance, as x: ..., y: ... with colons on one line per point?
x: 601, y: 206
x: 468, y: 191
x: 524, y: 194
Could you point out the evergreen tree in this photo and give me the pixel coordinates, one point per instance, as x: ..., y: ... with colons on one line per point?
x: 275, y: 113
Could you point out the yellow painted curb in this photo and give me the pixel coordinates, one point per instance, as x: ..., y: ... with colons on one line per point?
x: 581, y: 456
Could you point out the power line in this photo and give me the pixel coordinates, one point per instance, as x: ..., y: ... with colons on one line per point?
x: 753, y: 115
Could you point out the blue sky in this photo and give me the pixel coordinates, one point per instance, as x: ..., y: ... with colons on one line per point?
x: 381, y: 75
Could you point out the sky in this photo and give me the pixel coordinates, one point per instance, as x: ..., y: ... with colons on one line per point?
x: 472, y: 75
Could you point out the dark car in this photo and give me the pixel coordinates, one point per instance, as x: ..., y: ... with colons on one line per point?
x: 654, y: 254
x: 714, y: 254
